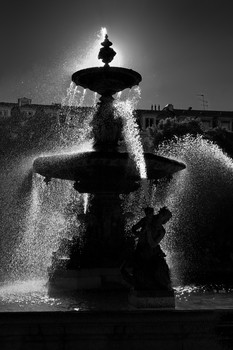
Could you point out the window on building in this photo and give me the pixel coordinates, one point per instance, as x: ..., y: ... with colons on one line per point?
x: 4, y: 113
x: 24, y: 101
x: 149, y: 122
x: 226, y: 125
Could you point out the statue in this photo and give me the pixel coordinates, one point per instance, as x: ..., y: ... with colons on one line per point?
x: 150, y: 270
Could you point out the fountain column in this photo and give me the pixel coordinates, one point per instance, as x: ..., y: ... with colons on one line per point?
x: 104, y: 243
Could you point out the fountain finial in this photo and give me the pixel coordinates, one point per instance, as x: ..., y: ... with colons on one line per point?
x: 106, y: 53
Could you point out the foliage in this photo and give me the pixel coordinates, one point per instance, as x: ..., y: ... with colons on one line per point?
x: 23, y: 133
x: 170, y: 127
x: 223, y: 138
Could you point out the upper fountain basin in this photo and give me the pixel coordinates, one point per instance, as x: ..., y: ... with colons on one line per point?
x: 104, y: 171
x: 106, y: 81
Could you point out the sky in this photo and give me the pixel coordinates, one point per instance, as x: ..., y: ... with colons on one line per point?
x: 182, y: 48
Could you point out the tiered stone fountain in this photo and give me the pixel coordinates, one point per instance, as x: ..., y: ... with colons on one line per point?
x: 105, y: 173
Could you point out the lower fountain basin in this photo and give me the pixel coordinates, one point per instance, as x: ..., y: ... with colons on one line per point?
x: 104, y: 171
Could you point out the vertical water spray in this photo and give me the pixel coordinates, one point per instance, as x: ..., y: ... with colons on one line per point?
x: 77, y: 126
x: 25, y: 263
x: 85, y: 202
x: 198, y: 237
x: 66, y: 101
x: 72, y: 97
x: 118, y: 95
x: 126, y: 109
x: 82, y: 98
x: 94, y: 99
x: 47, y: 221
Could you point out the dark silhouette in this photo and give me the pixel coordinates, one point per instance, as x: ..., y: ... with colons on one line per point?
x: 150, y: 270
x: 106, y: 174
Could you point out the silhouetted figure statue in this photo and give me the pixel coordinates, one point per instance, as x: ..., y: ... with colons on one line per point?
x: 150, y: 270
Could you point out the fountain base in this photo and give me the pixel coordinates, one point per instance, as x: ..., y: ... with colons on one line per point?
x: 86, y: 279
x: 146, y: 299
x: 71, y: 281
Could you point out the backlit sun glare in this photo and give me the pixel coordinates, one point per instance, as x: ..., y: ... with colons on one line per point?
x: 90, y: 56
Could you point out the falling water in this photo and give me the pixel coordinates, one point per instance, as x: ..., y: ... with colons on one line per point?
x: 40, y: 215
x: 200, y: 198
x: 27, y: 249
x: 47, y: 221
x: 85, y: 202
x: 77, y: 127
x: 199, y: 235
x: 125, y: 109
x: 118, y: 96
x: 70, y: 92
x: 82, y: 97
x: 72, y: 95
x: 94, y: 99
x: 73, y: 98
x: 35, y: 216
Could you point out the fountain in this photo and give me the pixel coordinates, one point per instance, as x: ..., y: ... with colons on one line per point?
x: 105, y: 174
x: 102, y: 318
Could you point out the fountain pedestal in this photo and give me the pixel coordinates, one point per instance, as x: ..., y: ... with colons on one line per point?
x: 104, y: 243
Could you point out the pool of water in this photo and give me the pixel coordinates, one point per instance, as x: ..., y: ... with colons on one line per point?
x: 33, y: 296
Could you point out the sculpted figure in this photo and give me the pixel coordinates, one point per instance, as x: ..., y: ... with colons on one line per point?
x: 150, y: 270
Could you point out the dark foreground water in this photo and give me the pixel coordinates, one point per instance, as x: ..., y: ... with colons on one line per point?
x: 33, y: 296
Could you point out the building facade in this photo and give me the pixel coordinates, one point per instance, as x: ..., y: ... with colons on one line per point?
x: 209, y: 119
x: 26, y: 108
x: 146, y: 117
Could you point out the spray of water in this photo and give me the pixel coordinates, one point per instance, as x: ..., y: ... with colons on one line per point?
x: 82, y: 98
x: 67, y: 100
x: 94, y: 99
x: 118, y: 96
x: 125, y: 109
x: 73, y: 98
x: 90, y: 58
x: 76, y: 129
x: 47, y: 220
x: 35, y: 217
x: 200, y: 198
x: 85, y: 202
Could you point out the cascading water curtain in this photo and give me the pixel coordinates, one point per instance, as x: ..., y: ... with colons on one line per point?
x: 134, y: 202
x: 200, y: 199
x: 125, y: 110
x: 46, y: 222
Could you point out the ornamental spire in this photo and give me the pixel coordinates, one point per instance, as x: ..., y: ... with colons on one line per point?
x: 106, y: 53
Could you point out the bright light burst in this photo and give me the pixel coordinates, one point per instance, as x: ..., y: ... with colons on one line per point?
x: 103, y: 32
x: 89, y: 56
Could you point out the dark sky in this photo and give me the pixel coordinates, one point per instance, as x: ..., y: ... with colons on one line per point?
x: 181, y: 48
